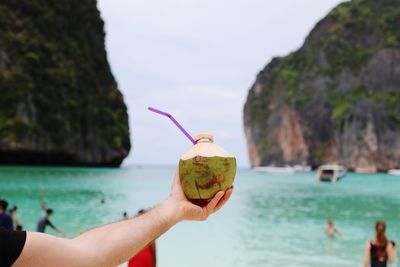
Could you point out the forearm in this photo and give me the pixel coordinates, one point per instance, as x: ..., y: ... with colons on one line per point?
x: 117, y: 242
x: 108, y: 245
x: 391, y: 251
x: 366, y: 263
x: 367, y: 259
x: 58, y: 230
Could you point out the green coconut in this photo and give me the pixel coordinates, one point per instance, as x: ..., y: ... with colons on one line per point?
x: 205, y: 169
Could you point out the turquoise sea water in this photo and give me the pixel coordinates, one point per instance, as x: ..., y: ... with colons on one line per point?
x: 271, y: 220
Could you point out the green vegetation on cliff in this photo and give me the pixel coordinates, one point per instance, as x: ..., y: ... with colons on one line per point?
x: 59, y: 100
x: 342, y: 85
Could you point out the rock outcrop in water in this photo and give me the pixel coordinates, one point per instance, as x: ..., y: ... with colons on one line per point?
x: 337, y: 98
x: 59, y: 102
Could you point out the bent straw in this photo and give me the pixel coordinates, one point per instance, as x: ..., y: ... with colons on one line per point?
x: 175, y: 122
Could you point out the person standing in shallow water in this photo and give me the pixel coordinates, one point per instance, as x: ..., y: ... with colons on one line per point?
x: 331, y: 229
x: 44, y: 221
x: 5, y: 220
x: 12, y: 215
x: 379, y: 251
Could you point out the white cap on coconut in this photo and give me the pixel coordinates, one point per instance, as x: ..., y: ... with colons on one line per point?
x: 205, y: 147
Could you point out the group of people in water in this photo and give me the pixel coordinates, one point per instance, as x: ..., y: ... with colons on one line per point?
x: 8, y: 220
x: 379, y: 251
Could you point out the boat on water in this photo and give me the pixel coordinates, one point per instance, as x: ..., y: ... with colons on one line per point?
x: 302, y: 168
x: 363, y: 170
x: 283, y: 170
x: 394, y: 172
x: 330, y: 173
x: 273, y: 169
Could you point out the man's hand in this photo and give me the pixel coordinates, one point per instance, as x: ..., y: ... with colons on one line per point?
x: 189, y: 211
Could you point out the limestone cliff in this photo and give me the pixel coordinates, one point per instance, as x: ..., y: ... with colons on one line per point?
x: 59, y: 102
x: 337, y: 98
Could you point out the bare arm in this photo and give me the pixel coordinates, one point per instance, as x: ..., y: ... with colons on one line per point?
x: 391, y: 251
x: 367, y: 259
x: 58, y: 230
x: 115, y: 243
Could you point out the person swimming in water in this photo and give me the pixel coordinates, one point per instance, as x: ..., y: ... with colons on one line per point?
x: 379, y: 251
x: 331, y: 230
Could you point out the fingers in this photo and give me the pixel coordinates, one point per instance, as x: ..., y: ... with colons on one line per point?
x: 224, y: 199
x: 195, y: 212
x: 214, y: 202
x: 219, y: 200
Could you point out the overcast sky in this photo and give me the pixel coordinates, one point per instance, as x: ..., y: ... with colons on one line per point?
x: 197, y: 59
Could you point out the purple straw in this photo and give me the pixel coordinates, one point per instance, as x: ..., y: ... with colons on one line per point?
x: 174, y: 121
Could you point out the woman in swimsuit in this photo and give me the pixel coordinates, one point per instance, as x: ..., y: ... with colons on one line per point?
x: 379, y: 251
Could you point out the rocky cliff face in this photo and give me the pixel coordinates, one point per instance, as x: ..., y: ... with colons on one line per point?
x: 59, y: 102
x: 337, y: 98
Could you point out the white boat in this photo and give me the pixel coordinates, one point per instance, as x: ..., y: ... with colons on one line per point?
x: 272, y: 169
x: 371, y: 169
x: 394, y: 172
x: 330, y: 173
x: 301, y: 168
